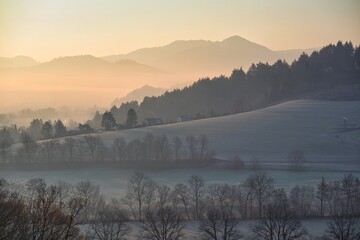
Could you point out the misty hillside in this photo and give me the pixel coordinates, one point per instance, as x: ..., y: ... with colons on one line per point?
x: 207, y: 57
x: 313, y: 126
x: 17, y: 62
x: 331, y: 73
x: 139, y: 94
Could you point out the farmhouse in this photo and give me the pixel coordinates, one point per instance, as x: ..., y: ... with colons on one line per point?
x: 184, y: 118
x: 152, y: 121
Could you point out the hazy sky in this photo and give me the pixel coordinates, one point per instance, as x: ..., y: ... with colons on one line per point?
x: 45, y: 29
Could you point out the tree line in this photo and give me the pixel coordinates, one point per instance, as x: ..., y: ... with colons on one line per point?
x: 262, y: 85
x: 151, y: 150
x: 40, y: 211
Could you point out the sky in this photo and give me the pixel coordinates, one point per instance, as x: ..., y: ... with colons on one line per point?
x: 45, y: 29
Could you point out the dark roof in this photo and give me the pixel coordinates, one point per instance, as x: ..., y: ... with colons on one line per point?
x: 152, y: 121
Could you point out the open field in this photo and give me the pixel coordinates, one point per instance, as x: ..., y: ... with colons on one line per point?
x: 315, y: 127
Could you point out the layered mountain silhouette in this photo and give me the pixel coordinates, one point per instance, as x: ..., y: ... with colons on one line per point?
x: 71, y: 79
x: 16, y: 62
x: 207, y: 57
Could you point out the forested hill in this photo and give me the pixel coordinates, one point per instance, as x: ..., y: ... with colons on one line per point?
x: 332, y: 67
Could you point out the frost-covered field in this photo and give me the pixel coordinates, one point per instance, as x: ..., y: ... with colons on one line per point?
x: 113, y: 181
x: 312, y: 126
x: 315, y: 127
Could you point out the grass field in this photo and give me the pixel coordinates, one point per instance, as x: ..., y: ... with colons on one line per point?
x: 312, y: 126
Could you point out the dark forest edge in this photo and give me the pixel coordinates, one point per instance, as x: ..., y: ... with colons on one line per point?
x: 149, y: 210
x: 325, y: 74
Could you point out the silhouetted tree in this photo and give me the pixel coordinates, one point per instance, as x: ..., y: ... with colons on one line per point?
x: 85, y: 128
x: 177, y: 145
x: 50, y: 147
x: 47, y: 129
x: 192, y: 146
x: 29, y: 146
x: 320, y: 194
x: 93, y: 144
x: 5, y: 143
x: 108, y: 121
x: 60, y: 129
x: 131, y: 119
x: 70, y: 145
x: 119, y: 147
x: 35, y: 128
x: 297, y: 158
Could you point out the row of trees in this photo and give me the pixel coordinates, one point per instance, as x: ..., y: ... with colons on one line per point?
x: 90, y: 148
x: 260, y: 86
x: 39, y: 130
x: 110, y: 120
x: 39, y: 211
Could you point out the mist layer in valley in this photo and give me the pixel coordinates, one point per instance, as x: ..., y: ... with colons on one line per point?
x: 69, y: 81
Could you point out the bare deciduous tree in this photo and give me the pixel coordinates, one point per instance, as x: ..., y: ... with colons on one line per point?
x: 348, y: 188
x: 219, y: 225
x: 204, y: 145
x: 149, y: 145
x: 14, y: 219
x: 344, y: 228
x: 278, y: 224
x: 163, y: 195
x: 93, y: 143
x: 162, y: 224
x: 29, y: 145
x: 137, y: 194
x: 119, y: 146
x: 109, y: 225
x: 192, y: 145
x: 177, y: 145
x: 70, y: 144
x: 50, y: 147
x: 262, y: 188
x: 181, y: 195
x: 223, y: 197
x: 91, y: 198
x: 197, y: 188
x: 320, y: 195
x: 302, y: 198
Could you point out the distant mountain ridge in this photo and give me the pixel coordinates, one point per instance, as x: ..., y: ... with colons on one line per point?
x: 207, y: 56
x: 16, y: 62
x: 91, y: 62
x: 139, y: 94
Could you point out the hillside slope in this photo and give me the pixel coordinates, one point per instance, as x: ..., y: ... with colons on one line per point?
x: 312, y: 126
